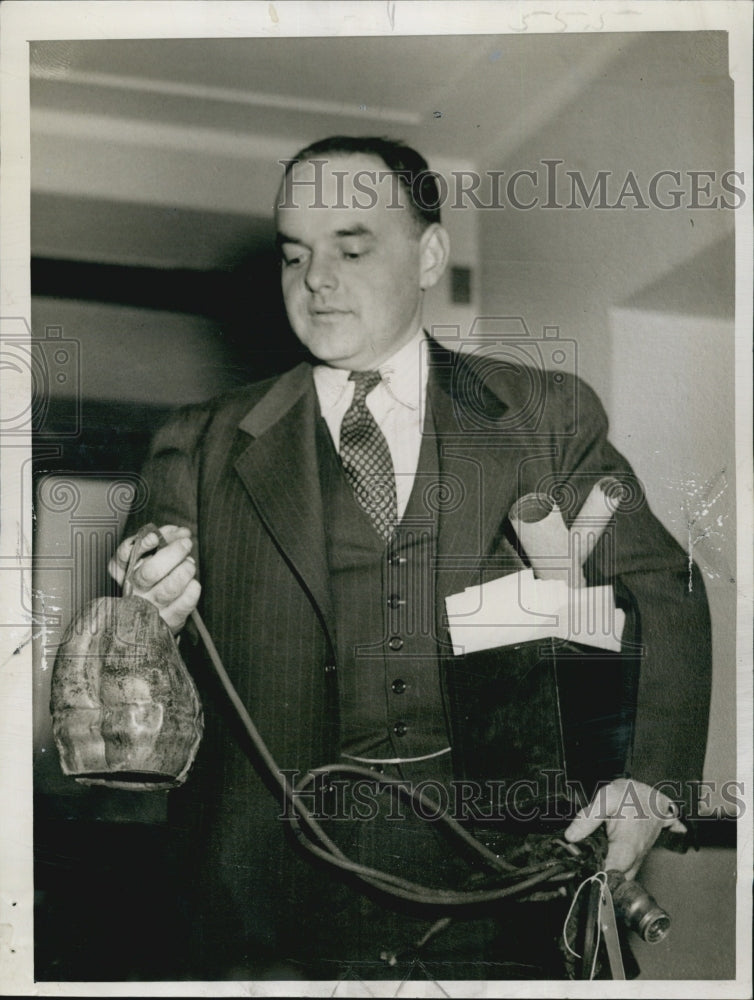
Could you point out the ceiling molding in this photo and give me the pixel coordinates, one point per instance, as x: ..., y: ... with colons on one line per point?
x: 115, y: 131
x: 227, y: 95
x: 165, y: 135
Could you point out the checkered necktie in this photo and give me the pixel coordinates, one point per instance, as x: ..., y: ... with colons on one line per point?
x: 366, y: 458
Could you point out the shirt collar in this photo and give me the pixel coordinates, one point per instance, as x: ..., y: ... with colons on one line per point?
x: 404, y: 376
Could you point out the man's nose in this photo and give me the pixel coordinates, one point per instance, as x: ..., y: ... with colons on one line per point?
x: 321, y: 273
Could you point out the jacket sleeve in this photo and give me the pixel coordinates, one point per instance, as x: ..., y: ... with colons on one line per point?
x: 667, y: 613
x: 170, y: 474
x: 171, y: 479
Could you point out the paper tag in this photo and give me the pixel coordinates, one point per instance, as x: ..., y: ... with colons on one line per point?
x: 519, y: 608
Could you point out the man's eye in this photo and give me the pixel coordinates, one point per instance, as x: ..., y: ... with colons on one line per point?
x: 350, y: 254
x: 292, y: 258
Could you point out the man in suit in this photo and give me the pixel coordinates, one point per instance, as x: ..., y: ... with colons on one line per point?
x: 320, y: 520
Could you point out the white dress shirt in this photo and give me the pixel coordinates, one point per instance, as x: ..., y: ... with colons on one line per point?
x: 397, y: 405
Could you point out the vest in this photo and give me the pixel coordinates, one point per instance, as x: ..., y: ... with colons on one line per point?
x: 390, y: 699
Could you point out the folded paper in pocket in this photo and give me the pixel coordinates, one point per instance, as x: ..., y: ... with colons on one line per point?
x: 519, y: 608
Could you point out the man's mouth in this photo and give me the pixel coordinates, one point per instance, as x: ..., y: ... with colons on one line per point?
x: 325, y: 311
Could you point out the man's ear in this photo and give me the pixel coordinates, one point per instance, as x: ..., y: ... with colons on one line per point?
x: 434, y: 250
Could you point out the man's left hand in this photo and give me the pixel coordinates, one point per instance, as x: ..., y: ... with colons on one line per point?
x: 634, y: 815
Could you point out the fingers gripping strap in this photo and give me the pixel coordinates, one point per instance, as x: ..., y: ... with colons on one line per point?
x: 136, y: 554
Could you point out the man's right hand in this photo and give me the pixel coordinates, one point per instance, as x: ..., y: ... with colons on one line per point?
x: 165, y: 579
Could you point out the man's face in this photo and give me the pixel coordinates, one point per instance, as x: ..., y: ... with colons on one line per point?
x: 352, y: 277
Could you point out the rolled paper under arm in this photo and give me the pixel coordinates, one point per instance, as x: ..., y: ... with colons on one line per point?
x: 543, y: 534
x: 555, y: 553
x: 591, y: 521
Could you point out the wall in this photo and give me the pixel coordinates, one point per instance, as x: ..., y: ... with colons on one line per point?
x: 689, y: 471
x: 664, y: 103
x: 646, y: 294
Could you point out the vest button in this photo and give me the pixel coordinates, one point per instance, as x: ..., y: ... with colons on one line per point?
x: 397, y: 560
x: 400, y: 729
x: 394, y: 601
x: 398, y: 686
x: 395, y: 643
x: 329, y: 668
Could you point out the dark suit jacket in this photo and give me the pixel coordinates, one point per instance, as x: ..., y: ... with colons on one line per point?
x: 241, y: 472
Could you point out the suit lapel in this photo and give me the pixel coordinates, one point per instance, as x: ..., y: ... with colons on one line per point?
x: 479, y: 471
x: 279, y: 470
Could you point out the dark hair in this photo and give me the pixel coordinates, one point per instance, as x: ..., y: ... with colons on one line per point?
x: 412, y: 169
